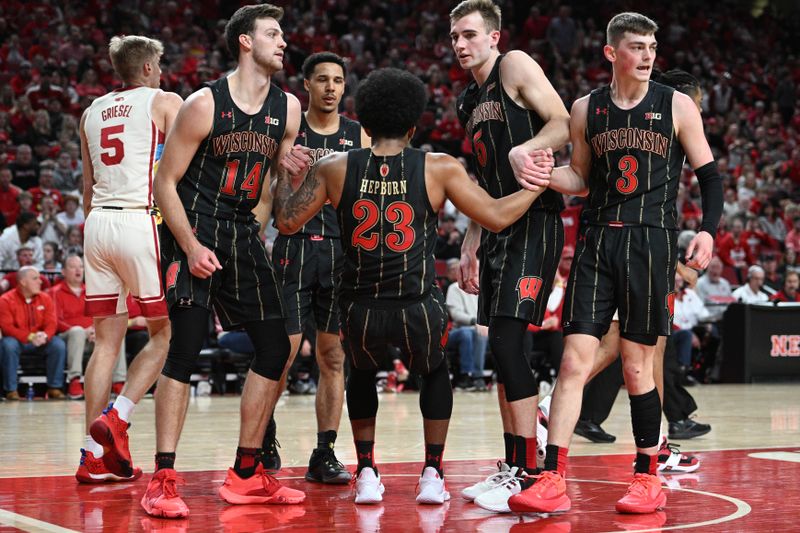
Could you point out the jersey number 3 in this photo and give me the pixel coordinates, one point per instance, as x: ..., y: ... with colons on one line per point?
x: 400, y: 214
x: 628, y: 183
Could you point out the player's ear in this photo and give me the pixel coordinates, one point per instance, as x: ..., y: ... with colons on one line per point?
x: 409, y: 134
x: 246, y: 41
x: 610, y: 52
x: 494, y: 36
x: 305, y: 84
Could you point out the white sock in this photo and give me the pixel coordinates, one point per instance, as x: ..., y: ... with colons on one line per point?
x: 92, y: 446
x: 124, y: 407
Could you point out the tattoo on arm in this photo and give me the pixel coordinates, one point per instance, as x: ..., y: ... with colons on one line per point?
x: 290, y: 206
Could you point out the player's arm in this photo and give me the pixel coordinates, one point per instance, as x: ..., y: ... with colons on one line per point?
x: 87, y: 168
x: 449, y: 180
x: 294, y: 208
x: 689, y: 128
x: 165, y: 109
x: 572, y: 178
x: 192, y: 124
x: 366, y: 140
x: 526, y: 83
x: 468, y: 274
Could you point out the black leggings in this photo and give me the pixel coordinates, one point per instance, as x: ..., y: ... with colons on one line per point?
x: 507, y: 342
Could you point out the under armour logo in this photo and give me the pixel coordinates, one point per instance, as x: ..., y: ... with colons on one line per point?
x: 601, y: 111
x: 284, y: 261
x: 226, y: 114
x: 364, y: 455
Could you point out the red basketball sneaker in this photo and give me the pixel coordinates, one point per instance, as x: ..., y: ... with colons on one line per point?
x: 111, y: 431
x: 258, y: 488
x: 644, y: 495
x: 161, y: 497
x: 547, y: 495
x: 92, y: 470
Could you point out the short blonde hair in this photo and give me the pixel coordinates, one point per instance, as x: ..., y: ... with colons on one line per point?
x: 129, y: 53
x: 490, y: 12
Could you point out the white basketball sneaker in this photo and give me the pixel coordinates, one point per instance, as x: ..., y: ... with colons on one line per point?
x: 369, y: 488
x: 504, y: 473
x: 496, y: 500
x: 431, y: 487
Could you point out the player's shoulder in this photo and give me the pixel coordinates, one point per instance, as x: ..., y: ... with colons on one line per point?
x: 439, y: 161
x: 200, y: 101
x: 348, y: 123
x: 581, y: 104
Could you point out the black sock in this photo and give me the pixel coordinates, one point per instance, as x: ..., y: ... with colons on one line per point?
x: 366, y: 458
x: 508, y: 439
x: 246, y: 461
x: 433, y: 456
x: 326, y: 439
x: 165, y: 460
x: 556, y: 459
x: 646, y: 464
x: 521, y: 454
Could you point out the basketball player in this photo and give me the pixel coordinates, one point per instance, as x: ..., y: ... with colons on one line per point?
x: 508, y: 110
x: 308, y: 265
x: 122, y: 134
x: 387, y: 199
x: 225, y: 139
x: 629, y: 141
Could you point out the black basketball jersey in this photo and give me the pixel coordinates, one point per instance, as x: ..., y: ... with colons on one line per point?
x: 389, y: 228
x: 348, y: 137
x: 496, y: 124
x: 225, y: 177
x: 636, y: 160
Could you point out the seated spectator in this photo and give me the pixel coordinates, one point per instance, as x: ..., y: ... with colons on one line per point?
x: 23, y: 233
x: 689, y: 311
x: 46, y: 187
x: 65, y: 176
x: 50, y: 226
x: 448, y: 240
x: 470, y: 337
x: 773, y: 282
x: 793, y: 236
x: 77, y: 329
x: 73, y: 242
x: 789, y: 293
x: 28, y: 323
x: 51, y: 255
x: 714, y: 290
x: 24, y: 258
x: 750, y: 292
x: 24, y: 170
x: 733, y: 249
x: 772, y: 222
x: 71, y: 215
x: 25, y: 201
x: 9, y: 207
x: 791, y: 263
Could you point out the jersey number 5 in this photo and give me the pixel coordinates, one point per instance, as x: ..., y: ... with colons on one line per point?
x: 400, y: 214
x: 115, y: 150
x: 628, y: 183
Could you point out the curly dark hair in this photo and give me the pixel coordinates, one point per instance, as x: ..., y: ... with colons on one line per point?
x: 678, y: 79
x: 244, y: 22
x: 321, y: 57
x: 389, y: 102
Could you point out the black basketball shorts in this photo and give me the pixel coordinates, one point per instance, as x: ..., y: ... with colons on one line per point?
x: 630, y: 269
x: 245, y: 290
x: 518, y: 266
x: 308, y: 269
x: 418, y: 330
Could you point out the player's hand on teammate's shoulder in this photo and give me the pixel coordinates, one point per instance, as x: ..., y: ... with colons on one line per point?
x: 532, y: 169
x: 297, y: 160
x: 699, y: 251
x: 202, y: 262
x: 468, y: 274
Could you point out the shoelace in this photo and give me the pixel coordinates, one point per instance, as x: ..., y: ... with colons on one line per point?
x: 545, y: 478
x: 268, y: 482
x: 273, y: 446
x: 639, y: 485
x: 169, y: 486
x: 674, y: 449
x: 330, y: 461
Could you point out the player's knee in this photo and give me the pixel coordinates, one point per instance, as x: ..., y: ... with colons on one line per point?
x: 192, y: 322
x: 362, y: 396
x: 574, y: 367
x: 436, y: 394
x: 272, y: 348
x: 330, y: 357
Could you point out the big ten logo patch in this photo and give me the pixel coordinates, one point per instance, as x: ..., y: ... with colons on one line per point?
x: 670, y: 304
x: 172, y: 274
x: 528, y: 288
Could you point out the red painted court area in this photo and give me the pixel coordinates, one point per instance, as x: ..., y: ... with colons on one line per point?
x: 740, y: 490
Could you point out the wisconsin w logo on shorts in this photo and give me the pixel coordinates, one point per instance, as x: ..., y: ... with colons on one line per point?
x: 172, y: 274
x: 671, y: 305
x: 528, y: 288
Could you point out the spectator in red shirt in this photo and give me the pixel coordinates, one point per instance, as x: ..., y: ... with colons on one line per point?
x: 790, y: 289
x: 733, y: 248
x: 28, y: 323
x: 793, y: 237
x: 76, y: 328
x: 9, y: 207
x: 24, y: 258
x: 46, y: 187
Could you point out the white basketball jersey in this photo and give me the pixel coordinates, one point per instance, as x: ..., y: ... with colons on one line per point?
x: 125, y: 146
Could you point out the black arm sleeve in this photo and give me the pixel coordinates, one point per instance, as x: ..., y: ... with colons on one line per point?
x: 711, y: 195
